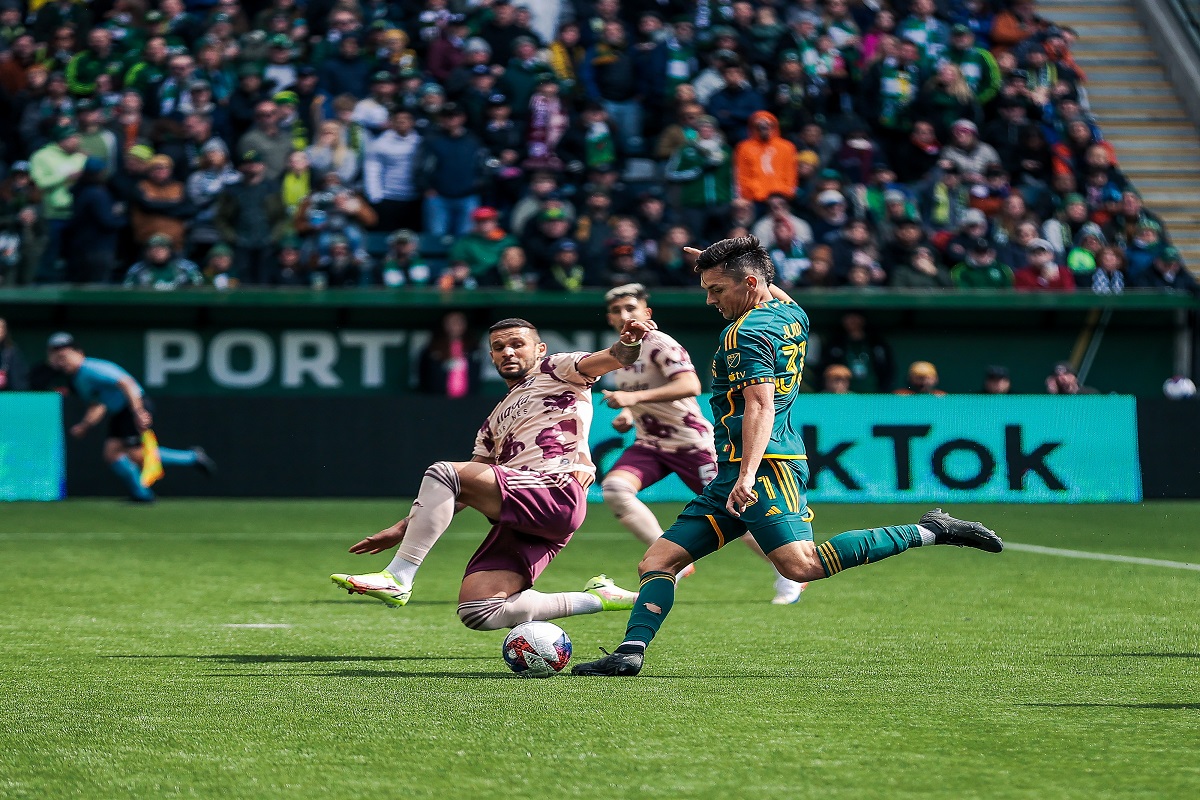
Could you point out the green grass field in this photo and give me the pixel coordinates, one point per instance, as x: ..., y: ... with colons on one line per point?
x: 941, y: 673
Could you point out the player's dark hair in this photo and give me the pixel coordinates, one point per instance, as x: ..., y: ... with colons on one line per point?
x: 514, y: 322
x: 739, y: 257
x: 635, y: 290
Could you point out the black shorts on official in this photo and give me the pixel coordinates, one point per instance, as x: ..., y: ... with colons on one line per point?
x: 123, y: 426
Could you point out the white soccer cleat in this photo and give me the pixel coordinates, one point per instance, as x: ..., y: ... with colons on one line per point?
x: 686, y: 572
x: 380, y: 585
x: 612, y: 597
x: 787, y: 591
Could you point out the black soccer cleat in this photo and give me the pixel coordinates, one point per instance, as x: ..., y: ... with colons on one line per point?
x: 204, y: 462
x: 613, y: 664
x: 960, y: 533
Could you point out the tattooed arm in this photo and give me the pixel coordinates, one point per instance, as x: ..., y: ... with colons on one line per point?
x: 624, y: 351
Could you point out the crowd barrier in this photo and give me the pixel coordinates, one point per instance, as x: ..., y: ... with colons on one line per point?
x: 956, y: 448
x: 32, y: 457
x: 869, y: 448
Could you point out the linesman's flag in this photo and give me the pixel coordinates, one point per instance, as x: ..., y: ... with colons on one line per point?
x: 151, y: 461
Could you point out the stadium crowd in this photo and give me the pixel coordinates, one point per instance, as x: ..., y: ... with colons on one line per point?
x: 558, y: 144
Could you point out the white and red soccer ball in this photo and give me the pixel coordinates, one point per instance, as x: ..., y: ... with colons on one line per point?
x: 537, y: 649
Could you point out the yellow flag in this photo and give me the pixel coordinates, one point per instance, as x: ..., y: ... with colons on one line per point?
x: 151, y: 461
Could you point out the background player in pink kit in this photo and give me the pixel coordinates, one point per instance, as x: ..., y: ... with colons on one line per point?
x: 658, y: 396
x: 528, y: 474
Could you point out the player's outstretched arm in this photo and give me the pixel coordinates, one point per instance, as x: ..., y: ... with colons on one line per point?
x: 624, y: 351
x: 92, y: 417
x: 681, y: 385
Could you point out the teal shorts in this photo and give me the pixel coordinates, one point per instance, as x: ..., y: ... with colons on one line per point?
x: 780, y: 514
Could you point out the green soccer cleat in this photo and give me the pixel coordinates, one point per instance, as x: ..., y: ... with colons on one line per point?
x: 612, y: 597
x: 380, y: 585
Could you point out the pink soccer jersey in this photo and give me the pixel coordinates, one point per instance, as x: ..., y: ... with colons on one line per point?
x: 542, y: 423
x: 676, y: 425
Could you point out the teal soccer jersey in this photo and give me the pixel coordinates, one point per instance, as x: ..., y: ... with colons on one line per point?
x: 766, y: 344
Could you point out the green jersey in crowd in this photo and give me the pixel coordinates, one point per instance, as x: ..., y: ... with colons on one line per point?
x: 982, y: 276
x: 704, y: 170
x: 979, y: 70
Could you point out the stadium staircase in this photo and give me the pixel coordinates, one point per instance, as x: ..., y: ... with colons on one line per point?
x: 1157, y: 146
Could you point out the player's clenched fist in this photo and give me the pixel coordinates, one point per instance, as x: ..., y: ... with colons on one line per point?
x: 635, y: 330
x: 619, y: 399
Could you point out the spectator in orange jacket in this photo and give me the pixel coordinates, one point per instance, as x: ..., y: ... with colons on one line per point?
x: 1013, y: 26
x: 1058, y: 50
x: 765, y: 163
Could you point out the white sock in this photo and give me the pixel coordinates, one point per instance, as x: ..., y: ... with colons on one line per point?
x: 630, y: 511
x: 494, y: 613
x: 431, y: 514
x: 928, y: 537
x: 403, y: 570
x: 583, y: 603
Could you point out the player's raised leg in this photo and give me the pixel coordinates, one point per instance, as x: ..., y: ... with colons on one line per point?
x: 796, y: 559
x: 195, y: 457
x: 804, y: 561
x: 447, y: 487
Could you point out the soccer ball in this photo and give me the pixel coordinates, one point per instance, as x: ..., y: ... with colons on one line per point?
x: 537, y: 649
x: 1179, y: 388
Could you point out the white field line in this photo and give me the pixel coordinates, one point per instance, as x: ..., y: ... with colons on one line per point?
x: 314, y: 535
x: 257, y: 625
x: 1056, y: 551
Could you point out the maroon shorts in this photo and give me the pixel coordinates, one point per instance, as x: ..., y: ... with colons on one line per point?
x: 696, y: 467
x: 539, y: 514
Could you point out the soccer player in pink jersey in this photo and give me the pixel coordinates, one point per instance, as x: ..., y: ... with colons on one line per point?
x: 529, y: 475
x: 657, y: 395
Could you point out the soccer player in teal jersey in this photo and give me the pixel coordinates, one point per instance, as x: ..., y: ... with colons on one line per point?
x: 762, y: 470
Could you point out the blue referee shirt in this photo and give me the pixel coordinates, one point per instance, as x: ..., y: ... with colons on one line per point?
x: 99, y: 381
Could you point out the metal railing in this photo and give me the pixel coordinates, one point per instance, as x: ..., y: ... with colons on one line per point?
x: 1188, y: 13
